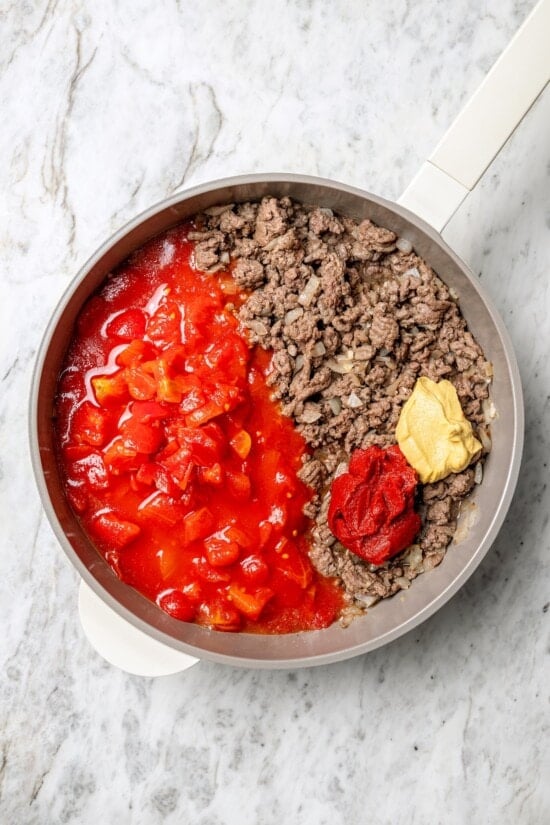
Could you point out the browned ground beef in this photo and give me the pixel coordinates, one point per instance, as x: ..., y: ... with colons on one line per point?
x: 353, y: 322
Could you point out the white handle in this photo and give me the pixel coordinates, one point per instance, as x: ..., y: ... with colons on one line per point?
x: 486, y: 122
x: 123, y: 645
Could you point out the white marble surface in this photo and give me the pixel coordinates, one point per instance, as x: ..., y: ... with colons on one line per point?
x: 108, y: 107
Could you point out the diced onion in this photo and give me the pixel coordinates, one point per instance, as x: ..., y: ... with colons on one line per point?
x: 485, y: 439
x: 414, y: 557
x: 341, y: 367
x: 354, y: 401
x: 489, y: 410
x: 414, y: 272
x: 335, y: 405
x: 293, y: 315
x: 403, y: 582
x: 299, y: 363
x: 367, y: 599
x: 404, y: 245
x: 308, y: 294
x: 258, y: 327
x: 319, y: 349
x: 478, y: 475
x: 311, y: 413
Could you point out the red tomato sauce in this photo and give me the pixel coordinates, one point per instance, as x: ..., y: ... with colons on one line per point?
x: 180, y: 466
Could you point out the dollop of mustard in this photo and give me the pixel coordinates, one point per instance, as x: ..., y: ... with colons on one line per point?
x: 433, y: 433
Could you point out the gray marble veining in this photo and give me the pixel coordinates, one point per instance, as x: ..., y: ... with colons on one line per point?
x: 107, y: 108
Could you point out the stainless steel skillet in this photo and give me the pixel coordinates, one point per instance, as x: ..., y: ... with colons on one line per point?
x: 133, y: 633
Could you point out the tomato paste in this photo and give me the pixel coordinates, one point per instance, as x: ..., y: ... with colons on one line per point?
x: 180, y: 466
x: 372, y: 505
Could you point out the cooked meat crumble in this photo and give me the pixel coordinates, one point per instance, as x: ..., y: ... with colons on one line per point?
x: 353, y: 322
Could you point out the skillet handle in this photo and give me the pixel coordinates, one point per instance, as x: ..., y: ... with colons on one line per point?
x: 484, y: 124
x: 123, y: 645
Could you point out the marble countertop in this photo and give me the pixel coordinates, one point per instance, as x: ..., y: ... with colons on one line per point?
x: 107, y: 108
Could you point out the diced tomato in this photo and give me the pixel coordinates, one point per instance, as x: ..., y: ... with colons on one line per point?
x: 205, y: 413
x: 241, y: 443
x: 221, y: 553
x: 145, y: 438
x: 293, y: 564
x: 90, y: 425
x: 238, y: 484
x: 127, y: 325
x: 219, y: 615
x: 161, y: 509
x: 191, y: 399
x: 226, y: 396
x: 203, y: 444
x: 175, y: 357
x: 251, y: 605
x: 170, y: 558
x: 213, y: 475
x: 147, y: 411
x: 207, y: 573
x: 136, y: 352
x: 164, y: 327
x: 177, y: 604
x: 167, y: 390
x: 234, y: 533
x: 119, y: 458
x: 110, y: 390
x: 141, y: 386
x: 158, y: 476
x: 254, y: 570
x: 114, y: 531
x: 179, y: 465
x: 229, y: 356
x: 168, y: 450
x: 92, y: 470
x: 198, y: 524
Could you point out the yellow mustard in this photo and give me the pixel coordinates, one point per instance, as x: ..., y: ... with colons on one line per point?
x: 432, y: 432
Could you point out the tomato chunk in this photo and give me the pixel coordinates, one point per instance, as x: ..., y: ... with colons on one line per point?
x: 221, y: 553
x: 164, y: 327
x: 115, y: 531
x: 254, y: 570
x: 161, y: 509
x: 90, y: 425
x: 141, y: 385
x: 177, y: 604
x: 144, y: 438
x: 198, y: 524
x: 241, y: 443
x: 127, y: 325
x: 110, y: 390
x: 249, y: 604
x: 220, y: 615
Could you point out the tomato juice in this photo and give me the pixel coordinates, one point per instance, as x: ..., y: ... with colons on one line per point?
x: 178, y: 463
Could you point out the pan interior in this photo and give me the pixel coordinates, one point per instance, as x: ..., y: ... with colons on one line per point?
x: 391, y: 618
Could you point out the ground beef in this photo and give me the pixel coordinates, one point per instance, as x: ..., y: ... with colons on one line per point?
x: 353, y: 322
